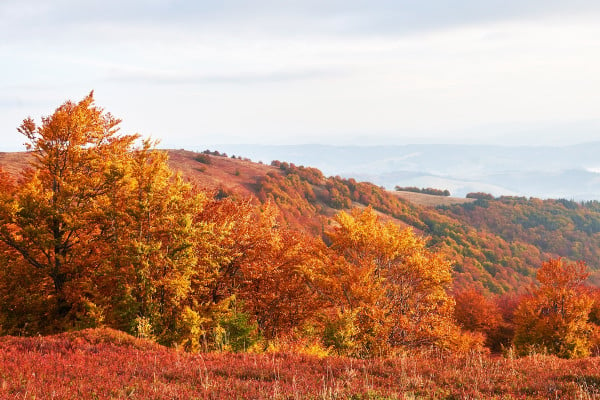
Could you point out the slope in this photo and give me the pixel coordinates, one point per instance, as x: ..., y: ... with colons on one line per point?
x: 496, y: 244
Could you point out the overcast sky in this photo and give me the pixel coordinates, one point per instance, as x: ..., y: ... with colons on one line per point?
x: 197, y: 73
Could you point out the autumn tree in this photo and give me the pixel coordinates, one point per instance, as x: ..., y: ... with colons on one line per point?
x: 151, y: 260
x: 389, y: 284
x: 100, y: 231
x: 48, y: 220
x: 256, y: 266
x: 554, y: 318
x: 23, y: 291
x: 475, y: 312
x: 97, y: 231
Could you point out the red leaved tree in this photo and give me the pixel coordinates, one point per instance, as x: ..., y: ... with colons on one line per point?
x: 554, y: 318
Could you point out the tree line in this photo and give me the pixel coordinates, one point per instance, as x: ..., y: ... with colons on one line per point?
x: 431, y: 191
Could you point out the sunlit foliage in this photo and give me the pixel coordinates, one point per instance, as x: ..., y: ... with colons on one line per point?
x: 389, y: 289
x: 50, y: 220
x: 555, y: 317
x: 100, y: 232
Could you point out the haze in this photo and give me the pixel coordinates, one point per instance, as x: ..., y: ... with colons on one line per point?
x: 289, y: 72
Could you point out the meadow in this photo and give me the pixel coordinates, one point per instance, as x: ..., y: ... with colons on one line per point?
x: 108, y: 364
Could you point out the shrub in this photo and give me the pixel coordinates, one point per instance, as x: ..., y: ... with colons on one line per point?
x: 203, y: 158
x: 238, y: 332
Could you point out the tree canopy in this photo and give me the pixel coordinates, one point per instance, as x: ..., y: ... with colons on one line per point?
x: 555, y: 317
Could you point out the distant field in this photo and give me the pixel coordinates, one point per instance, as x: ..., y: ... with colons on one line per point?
x: 429, y: 200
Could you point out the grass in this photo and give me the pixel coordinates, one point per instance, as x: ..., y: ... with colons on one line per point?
x: 106, y: 364
x: 429, y: 200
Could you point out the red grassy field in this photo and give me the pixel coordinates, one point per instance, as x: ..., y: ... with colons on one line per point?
x: 105, y: 364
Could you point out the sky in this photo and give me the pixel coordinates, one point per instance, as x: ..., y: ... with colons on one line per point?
x: 195, y: 74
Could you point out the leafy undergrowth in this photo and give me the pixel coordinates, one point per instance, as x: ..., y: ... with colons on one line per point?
x: 103, y: 364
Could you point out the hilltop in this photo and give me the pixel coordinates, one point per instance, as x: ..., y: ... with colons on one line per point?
x: 540, y: 171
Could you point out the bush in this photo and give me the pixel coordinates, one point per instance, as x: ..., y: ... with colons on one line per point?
x: 203, y: 158
x: 480, y: 196
x: 237, y: 332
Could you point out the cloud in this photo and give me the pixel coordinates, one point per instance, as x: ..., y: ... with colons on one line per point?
x: 11, y: 102
x: 308, y: 69
x: 287, y: 17
x: 236, y: 79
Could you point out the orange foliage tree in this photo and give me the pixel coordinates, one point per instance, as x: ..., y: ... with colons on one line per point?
x: 257, y: 266
x: 97, y: 231
x: 475, y: 312
x: 388, y: 288
x: 48, y: 220
x: 554, y: 317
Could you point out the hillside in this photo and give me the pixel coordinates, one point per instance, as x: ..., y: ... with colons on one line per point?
x: 571, y: 172
x: 546, y: 227
x: 14, y: 163
x: 501, y: 254
x: 496, y: 244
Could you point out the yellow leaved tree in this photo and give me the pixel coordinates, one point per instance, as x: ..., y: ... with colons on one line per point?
x: 388, y: 288
x: 48, y: 219
x: 148, y: 269
x: 96, y: 231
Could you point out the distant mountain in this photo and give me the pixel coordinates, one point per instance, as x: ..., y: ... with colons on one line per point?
x: 571, y: 172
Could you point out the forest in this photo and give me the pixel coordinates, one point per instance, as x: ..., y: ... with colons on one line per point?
x: 99, y: 232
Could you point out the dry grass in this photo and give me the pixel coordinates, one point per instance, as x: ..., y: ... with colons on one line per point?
x: 106, y: 364
x: 14, y: 163
x: 239, y: 176
x: 429, y: 200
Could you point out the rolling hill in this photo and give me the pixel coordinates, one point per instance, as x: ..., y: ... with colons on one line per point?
x: 496, y: 244
x: 570, y: 172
